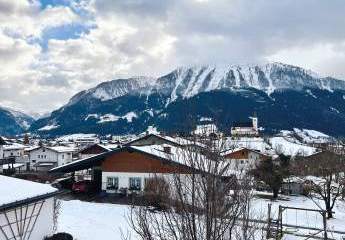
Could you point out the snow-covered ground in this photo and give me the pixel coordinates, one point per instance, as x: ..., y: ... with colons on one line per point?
x: 89, y: 221
x: 303, y: 218
x: 307, y: 135
x: 288, y: 146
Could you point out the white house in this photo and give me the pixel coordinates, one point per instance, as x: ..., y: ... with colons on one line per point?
x: 15, y: 150
x: 26, y: 209
x: 45, y: 158
x: 128, y: 168
x: 206, y: 130
x: 243, y: 159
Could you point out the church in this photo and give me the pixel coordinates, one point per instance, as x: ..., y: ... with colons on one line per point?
x: 246, y: 129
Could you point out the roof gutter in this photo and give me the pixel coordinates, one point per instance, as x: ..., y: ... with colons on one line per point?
x: 26, y: 201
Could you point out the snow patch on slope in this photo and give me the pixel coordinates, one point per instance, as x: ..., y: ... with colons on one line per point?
x: 49, y: 127
x: 109, y: 117
x: 287, y: 146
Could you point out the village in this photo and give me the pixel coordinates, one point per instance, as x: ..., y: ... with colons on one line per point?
x: 293, y: 182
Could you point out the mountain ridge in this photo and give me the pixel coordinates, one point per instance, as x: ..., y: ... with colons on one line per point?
x: 13, y: 122
x: 203, y: 78
x: 151, y: 100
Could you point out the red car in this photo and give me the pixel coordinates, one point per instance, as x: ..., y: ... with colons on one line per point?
x: 84, y: 186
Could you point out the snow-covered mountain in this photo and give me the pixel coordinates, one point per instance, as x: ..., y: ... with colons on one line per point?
x: 116, y: 88
x: 13, y: 122
x: 189, y: 81
x: 186, y: 82
x: 226, y: 93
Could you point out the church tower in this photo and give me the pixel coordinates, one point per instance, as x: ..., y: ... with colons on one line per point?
x: 255, y: 122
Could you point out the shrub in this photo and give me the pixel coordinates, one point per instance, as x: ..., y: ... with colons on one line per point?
x: 157, y: 193
x: 60, y: 236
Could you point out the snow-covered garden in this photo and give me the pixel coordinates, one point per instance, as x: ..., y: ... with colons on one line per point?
x: 90, y: 221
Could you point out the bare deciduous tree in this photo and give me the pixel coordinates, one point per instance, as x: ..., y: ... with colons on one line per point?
x: 329, y: 167
x: 206, y: 201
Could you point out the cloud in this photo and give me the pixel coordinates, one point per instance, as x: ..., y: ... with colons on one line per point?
x: 138, y: 37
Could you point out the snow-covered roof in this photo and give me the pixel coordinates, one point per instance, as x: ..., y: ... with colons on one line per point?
x: 174, y: 140
x: 14, y: 146
x: 181, y: 156
x: 9, y: 166
x: 175, y: 154
x: 252, y: 143
x: 14, y: 189
x: 31, y: 148
x: 183, y: 141
x: 109, y: 147
x: 293, y: 179
x: 233, y: 150
x: 78, y: 136
x: 62, y: 149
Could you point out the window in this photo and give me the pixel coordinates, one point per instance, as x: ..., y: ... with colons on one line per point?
x: 38, y: 156
x: 135, y: 184
x: 63, y: 156
x: 112, y: 183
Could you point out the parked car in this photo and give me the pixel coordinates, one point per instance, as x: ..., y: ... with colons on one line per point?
x: 63, y: 183
x: 84, y: 186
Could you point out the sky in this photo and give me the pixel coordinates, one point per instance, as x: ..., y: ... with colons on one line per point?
x: 52, y: 49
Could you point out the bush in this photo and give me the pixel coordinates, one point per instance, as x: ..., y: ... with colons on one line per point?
x: 60, y: 236
x: 157, y: 193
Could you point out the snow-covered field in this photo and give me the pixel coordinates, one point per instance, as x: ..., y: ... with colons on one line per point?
x: 289, y: 147
x: 89, y: 221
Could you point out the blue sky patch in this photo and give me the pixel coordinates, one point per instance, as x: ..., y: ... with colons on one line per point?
x: 45, y: 3
x: 71, y: 31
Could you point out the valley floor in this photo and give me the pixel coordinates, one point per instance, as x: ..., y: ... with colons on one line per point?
x: 90, y: 221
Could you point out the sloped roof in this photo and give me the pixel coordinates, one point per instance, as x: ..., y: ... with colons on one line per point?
x: 176, y: 141
x: 14, y: 191
x: 242, y: 124
x: 230, y: 151
x: 155, y: 151
x: 2, y: 141
x: 14, y: 146
x: 106, y: 147
x: 62, y: 149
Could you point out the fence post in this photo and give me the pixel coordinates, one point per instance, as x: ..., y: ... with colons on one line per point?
x: 268, y: 233
x: 324, y: 225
